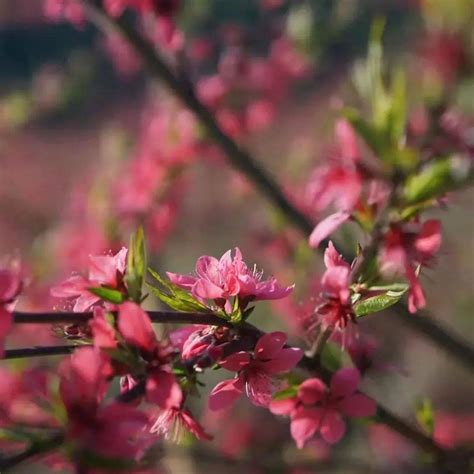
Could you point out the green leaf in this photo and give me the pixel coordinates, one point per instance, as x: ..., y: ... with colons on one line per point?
x: 370, y: 135
x: 136, y: 265
x: 378, y: 303
x: 173, y: 296
x: 286, y: 393
x: 425, y: 416
x: 110, y: 295
x: 437, y: 179
x: 331, y: 357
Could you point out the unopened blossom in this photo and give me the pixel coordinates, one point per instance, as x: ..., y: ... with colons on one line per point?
x: 406, y: 247
x: 335, y: 309
x: 104, y: 270
x: 228, y: 277
x: 255, y: 373
x: 318, y: 408
x: 11, y: 285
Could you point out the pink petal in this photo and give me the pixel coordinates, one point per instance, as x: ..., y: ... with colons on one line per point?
x: 428, y: 240
x: 102, y: 332
x: 120, y: 260
x: 327, y: 226
x: 226, y: 393
x: 345, y: 382
x: 102, y: 269
x: 135, y: 327
x: 332, y: 258
x: 179, y: 336
x: 205, y: 265
x: 335, y: 282
x: 163, y: 389
x: 70, y: 288
x: 235, y: 362
x: 270, y: 344
x: 284, y: 361
x: 10, y: 285
x: 332, y: 427
x: 85, y: 301
x: 260, y: 388
x: 194, y: 426
x: 183, y: 281
x: 282, y: 407
x: 416, y: 296
x: 347, y: 139
x: 358, y: 405
x: 304, y: 423
x: 312, y: 391
x: 207, y: 290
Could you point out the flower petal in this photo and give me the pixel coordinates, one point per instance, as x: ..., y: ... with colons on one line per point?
x: 311, y: 391
x: 270, y: 344
x: 284, y: 361
x: 225, y: 393
x: 333, y: 427
x: 358, y: 405
x: 282, y: 407
x: 235, y: 362
x: 327, y: 226
x: 304, y: 424
x: 345, y: 382
x: 135, y: 327
x: 163, y: 389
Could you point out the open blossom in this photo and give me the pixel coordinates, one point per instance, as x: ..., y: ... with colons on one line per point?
x: 114, y: 430
x: 10, y: 287
x: 255, y: 372
x: 408, y: 246
x: 227, y: 277
x: 318, y: 408
x: 335, y: 310
x: 104, y: 270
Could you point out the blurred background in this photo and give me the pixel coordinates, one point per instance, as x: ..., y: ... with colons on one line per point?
x: 90, y: 147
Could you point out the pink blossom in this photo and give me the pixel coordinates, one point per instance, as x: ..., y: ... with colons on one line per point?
x: 255, y: 371
x: 228, y: 277
x: 104, y: 270
x: 107, y: 430
x: 335, y: 309
x: 102, y: 332
x: 172, y: 421
x: 408, y: 246
x: 317, y: 408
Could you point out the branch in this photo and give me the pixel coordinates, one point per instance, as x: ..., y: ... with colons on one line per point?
x: 20, y: 317
x: 244, y: 162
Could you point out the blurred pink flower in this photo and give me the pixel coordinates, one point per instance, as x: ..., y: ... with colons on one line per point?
x: 255, y: 372
x: 104, y: 270
x: 319, y: 408
x: 405, y: 248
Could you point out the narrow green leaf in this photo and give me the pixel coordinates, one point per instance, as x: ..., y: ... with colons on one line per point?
x: 110, y: 295
x: 377, y: 303
x: 136, y: 265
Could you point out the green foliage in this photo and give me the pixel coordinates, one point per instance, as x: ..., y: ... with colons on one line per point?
x: 331, y: 357
x: 380, y: 302
x: 425, y: 416
x: 109, y: 295
x: 173, y: 296
x: 136, y: 265
x: 286, y: 393
x: 437, y: 179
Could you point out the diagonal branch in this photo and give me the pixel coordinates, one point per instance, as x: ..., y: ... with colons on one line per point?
x: 246, y: 164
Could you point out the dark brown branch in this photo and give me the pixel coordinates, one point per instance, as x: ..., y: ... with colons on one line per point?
x: 20, y: 317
